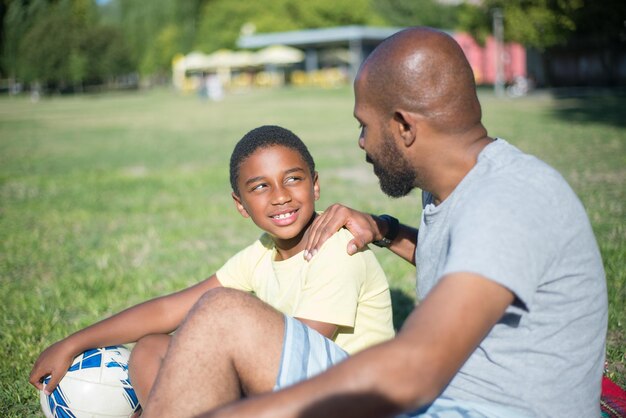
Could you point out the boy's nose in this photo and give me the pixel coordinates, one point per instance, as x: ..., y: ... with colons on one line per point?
x: 280, y: 196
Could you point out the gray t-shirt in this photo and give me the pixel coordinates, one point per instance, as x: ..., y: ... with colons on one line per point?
x: 514, y: 220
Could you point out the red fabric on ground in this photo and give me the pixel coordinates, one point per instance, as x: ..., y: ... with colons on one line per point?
x: 613, y: 400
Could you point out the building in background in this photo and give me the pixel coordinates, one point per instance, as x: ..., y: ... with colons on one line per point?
x: 347, y: 47
x: 324, y: 57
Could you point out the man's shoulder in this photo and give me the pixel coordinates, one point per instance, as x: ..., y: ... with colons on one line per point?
x: 504, y: 171
x: 501, y: 157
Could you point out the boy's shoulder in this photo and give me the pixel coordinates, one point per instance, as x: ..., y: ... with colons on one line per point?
x: 337, y: 244
x: 256, y: 249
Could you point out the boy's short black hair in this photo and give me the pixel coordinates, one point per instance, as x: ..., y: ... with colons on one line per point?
x: 263, y: 137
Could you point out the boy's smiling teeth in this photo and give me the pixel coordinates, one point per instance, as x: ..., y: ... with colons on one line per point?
x: 283, y: 215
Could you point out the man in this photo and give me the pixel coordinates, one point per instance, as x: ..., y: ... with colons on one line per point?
x: 513, y: 311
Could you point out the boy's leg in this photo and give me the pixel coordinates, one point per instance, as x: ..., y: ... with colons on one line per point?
x: 230, y: 344
x: 145, y: 362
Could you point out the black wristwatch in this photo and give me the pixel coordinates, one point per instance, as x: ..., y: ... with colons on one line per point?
x: 393, y: 227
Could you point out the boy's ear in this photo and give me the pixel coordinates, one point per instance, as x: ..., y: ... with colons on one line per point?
x: 239, y: 205
x: 316, y: 185
x: 404, y: 125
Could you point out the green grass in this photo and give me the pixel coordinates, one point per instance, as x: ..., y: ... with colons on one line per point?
x: 109, y: 200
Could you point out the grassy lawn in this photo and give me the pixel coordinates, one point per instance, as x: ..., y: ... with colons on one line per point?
x: 109, y: 200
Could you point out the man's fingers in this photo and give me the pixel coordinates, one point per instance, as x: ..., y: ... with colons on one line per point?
x: 353, y: 247
x: 322, y: 228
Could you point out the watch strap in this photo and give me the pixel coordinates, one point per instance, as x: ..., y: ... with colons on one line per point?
x: 393, y: 228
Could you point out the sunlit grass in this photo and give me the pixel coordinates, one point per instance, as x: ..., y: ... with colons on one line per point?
x: 108, y: 200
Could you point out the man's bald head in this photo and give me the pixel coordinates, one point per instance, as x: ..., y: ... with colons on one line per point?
x: 424, y: 71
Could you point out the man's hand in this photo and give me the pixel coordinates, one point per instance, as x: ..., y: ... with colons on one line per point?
x: 362, y: 225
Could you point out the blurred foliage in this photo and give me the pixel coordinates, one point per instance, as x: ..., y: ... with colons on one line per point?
x: 61, y: 44
x: 542, y: 24
x: 221, y: 21
x: 418, y: 13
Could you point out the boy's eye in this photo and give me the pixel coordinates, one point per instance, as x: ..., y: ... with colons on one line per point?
x: 292, y: 179
x: 258, y: 187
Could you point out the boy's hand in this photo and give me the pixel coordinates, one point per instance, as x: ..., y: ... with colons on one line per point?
x: 361, y: 225
x: 53, y: 361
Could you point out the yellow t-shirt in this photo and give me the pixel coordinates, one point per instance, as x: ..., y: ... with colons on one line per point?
x: 334, y: 287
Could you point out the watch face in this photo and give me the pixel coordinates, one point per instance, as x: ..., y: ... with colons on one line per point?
x: 383, y: 243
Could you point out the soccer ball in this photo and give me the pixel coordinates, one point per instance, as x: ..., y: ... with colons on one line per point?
x: 96, y: 386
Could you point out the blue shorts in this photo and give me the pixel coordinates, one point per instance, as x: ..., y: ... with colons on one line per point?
x: 306, y: 353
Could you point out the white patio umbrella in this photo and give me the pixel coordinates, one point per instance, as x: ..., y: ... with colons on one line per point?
x: 196, y: 61
x: 227, y: 59
x: 279, y: 55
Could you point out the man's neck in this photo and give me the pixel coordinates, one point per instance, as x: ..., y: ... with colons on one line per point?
x: 461, y: 157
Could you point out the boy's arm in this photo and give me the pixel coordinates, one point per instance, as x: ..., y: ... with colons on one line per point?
x: 161, y: 315
x: 366, y: 228
x: 324, y: 328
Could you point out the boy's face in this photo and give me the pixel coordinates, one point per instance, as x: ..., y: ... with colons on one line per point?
x: 277, y: 191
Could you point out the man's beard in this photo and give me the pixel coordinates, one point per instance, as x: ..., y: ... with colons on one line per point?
x: 395, y: 174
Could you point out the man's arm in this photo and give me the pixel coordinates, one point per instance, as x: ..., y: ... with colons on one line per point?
x: 400, y: 375
x: 365, y: 228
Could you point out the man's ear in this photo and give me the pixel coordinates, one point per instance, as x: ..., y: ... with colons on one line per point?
x: 404, y: 126
x: 316, y: 185
x: 239, y: 205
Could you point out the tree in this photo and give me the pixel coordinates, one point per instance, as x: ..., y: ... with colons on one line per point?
x: 474, y: 20
x: 19, y: 18
x: 417, y: 13
x: 187, y: 16
x: 535, y: 23
x: 328, y: 13
x: 141, y: 23
x: 80, y: 50
x: 107, y: 54
x: 51, y: 59
x: 222, y: 20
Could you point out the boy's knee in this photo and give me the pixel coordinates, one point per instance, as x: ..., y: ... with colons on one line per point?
x: 230, y: 305
x: 223, y: 299
x: 150, y: 347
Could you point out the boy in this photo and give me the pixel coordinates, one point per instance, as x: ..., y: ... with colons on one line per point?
x: 339, y: 298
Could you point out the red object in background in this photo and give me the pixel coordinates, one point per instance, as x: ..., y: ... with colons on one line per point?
x: 613, y: 400
x: 483, y: 58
